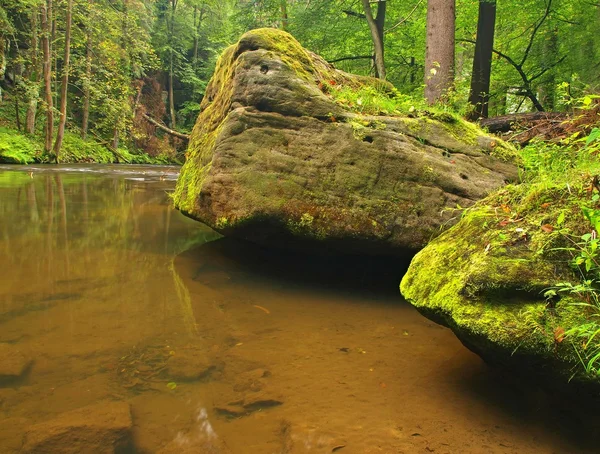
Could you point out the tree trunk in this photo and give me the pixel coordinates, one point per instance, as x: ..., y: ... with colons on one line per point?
x: 46, y: 20
x: 284, y: 15
x: 439, y: 53
x: 195, y: 51
x: 482, y: 62
x: 197, y: 25
x: 65, y: 83
x: 115, y: 141
x: 171, y: 66
x: 88, y: 80
x: 376, y: 27
x: 2, y: 61
x: 33, y: 92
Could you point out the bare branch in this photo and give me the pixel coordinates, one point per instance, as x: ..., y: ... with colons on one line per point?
x: 405, y: 19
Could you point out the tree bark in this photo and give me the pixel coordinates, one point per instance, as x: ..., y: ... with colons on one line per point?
x: 46, y: 20
x: 284, y: 15
x: 482, y: 61
x: 86, y: 86
x: 33, y: 92
x: 376, y: 27
x: 439, y: 53
x: 65, y: 82
x: 2, y: 61
x: 171, y: 66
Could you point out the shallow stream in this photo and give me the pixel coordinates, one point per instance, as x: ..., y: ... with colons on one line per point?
x: 219, y: 346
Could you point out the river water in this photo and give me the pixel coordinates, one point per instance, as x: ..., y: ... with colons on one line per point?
x: 223, y: 347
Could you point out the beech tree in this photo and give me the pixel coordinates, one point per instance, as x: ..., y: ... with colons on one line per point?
x: 376, y: 25
x: 439, y: 55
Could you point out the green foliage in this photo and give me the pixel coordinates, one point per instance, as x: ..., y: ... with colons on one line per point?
x: 17, y: 148
x: 573, y: 164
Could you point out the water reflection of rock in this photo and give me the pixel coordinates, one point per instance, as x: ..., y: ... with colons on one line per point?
x: 103, y: 428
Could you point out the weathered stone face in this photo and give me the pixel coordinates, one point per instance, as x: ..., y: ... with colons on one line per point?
x: 273, y: 158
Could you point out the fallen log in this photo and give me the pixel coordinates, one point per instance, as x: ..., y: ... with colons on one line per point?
x: 162, y: 127
x: 505, y: 123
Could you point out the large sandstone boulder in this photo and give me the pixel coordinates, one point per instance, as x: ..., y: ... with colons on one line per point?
x: 502, y: 280
x: 274, y: 156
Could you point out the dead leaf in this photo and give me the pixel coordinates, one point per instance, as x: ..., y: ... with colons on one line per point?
x: 559, y: 334
x: 547, y: 228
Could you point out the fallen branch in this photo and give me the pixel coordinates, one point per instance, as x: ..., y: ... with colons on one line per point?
x: 162, y: 127
x: 505, y: 123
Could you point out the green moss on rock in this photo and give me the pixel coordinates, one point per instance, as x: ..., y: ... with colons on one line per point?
x: 485, y: 279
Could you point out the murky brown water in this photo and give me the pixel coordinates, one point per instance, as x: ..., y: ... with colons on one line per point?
x: 228, y: 347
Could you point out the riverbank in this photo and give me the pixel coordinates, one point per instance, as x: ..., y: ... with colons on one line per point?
x: 19, y: 148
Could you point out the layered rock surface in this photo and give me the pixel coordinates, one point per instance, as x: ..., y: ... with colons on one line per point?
x: 273, y: 157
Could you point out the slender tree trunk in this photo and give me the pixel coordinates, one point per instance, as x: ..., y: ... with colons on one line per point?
x: 376, y: 36
x: 17, y: 113
x: 2, y: 61
x: 284, y: 15
x: 171, y: 67
x: 47, y: 64
x: 196, y: 27
x: 54, y: 59
x: 33, y: 92
x: 115, y: 141
x: 482, y: 62
x: 65, y: 83
x: 88, y: 80
x: 439, y: 53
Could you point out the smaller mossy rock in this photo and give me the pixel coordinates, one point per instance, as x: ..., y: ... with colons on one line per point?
x: 485, y: 278
x: 273, y: 157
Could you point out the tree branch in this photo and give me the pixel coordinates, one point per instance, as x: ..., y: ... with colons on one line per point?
x: 547, y: 68
x: 356, y: 57
x: 534, y: 32
x: 172, y: 132
x: 526, y: 81
x: 349, y: 12
x: 405, y: 19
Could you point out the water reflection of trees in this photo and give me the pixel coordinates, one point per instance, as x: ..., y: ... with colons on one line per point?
x: 104, y: 243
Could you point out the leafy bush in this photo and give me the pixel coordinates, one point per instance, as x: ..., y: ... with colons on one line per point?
x: 17, y: 148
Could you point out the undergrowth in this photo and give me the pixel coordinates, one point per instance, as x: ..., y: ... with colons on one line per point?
x: 571, y: 168
x: 369, y: 100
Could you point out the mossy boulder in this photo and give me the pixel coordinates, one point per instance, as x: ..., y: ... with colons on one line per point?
x: 273, y: 157
x: 487, y: 278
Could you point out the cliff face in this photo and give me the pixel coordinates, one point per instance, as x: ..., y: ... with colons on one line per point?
x: 275, y: 159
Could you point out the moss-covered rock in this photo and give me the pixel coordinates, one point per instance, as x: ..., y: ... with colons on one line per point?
x: 274, y: 157
x: 487, y: 278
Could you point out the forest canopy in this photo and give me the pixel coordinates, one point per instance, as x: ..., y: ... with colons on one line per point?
x: 130, y: 74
